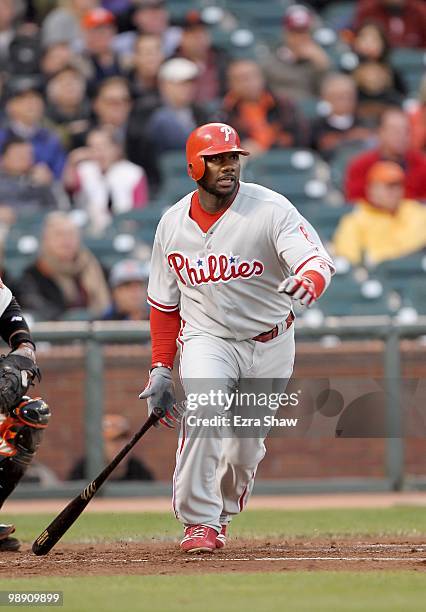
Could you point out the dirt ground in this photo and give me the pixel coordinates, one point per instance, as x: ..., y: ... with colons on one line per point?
x: 157, y: 557
x: 241, y: 555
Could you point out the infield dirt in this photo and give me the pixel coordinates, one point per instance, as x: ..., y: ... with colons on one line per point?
x: 160, y: 558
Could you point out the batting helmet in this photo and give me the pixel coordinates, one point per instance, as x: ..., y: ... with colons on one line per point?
x: 210, y: 139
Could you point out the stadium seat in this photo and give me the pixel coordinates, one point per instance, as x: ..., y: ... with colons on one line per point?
x: 415, y: 295
x: 341, y: 157
x: 276, y: 160
x: 176, y: 182
x: 411, y: 63
x: 403, y: 274
x: 347, y: 297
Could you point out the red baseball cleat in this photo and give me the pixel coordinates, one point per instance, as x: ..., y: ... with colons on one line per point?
x: 221, y: 537
x: 199, y: 538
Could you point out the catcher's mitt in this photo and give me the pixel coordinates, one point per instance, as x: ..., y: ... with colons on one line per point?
x: 16, y: 376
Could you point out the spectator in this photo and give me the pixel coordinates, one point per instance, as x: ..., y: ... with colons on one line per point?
x: 171, y: 123
x: 99, y: 32
x: 404, y: 21
x: 102, y: 181
x: 379, y: 84
x: 147, y: 60
x: 149, y: 17
x: 65, y: 276
x: 64, y: 23
x: 417, y: 116
x: 60, y: 55
x: 196, y: 46
x: 24, y: 186
x: 68, y: 109
x: 128, y: 283
x: 24, y: 114
x: 261, y: 119
x: 341, y: 124
x: 116, y: 430
x: 296, y: 68
x: 111, y: 107
x: 385, y: 225
x: 393, y: 145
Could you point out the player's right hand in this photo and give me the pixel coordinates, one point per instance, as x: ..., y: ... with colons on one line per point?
x: 299, y: 288
x: 160, y: 395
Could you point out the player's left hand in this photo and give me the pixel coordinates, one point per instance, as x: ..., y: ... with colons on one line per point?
x: 299, y: 288
x: 160, y: 395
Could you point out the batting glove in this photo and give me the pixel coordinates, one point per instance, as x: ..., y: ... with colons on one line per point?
x: 299, y: 288
x: 160, y: 395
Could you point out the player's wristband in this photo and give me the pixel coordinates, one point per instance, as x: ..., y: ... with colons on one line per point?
x: 158, y: 364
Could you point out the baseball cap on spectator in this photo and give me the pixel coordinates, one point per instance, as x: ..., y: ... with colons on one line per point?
x: 115, y: 426
x: 385, y: 172
x: 128, y: 271
x: 298, y: 17
x: 178, y: 70
x: 96, y: 18
x: 21, y: 85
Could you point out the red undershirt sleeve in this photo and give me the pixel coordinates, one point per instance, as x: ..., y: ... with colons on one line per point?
x: 165, y: 328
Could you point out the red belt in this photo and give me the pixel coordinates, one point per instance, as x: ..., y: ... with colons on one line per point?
x: 273, y: 333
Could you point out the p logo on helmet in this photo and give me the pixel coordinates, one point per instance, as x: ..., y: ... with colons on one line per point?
x: 227, y: 131
x: 210, y: 139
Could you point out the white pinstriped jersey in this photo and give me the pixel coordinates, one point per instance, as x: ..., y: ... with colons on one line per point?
x: 5, y: 297
x: 225, y: 281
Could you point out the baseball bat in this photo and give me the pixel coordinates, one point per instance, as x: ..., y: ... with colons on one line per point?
x: 54, y: 532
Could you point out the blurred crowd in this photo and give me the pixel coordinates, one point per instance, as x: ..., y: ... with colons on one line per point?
x: 95, y: 93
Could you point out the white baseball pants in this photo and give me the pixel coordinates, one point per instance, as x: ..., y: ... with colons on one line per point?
x: 214, y: 473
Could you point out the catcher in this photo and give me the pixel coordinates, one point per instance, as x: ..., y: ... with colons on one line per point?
x: 23, y: 418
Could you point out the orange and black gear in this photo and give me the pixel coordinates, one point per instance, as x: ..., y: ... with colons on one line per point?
x: 210, y: 139
x: 20, y: 436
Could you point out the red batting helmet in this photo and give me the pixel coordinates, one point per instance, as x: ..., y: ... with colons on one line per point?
x: 210, y: 139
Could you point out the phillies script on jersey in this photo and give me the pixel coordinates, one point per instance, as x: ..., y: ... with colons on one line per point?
x: 214, y: 268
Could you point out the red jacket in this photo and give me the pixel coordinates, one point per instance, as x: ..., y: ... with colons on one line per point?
x: 405, y: 30
x: 415, y: 168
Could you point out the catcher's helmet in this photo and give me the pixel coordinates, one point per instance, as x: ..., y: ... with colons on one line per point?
x: 210, y: 139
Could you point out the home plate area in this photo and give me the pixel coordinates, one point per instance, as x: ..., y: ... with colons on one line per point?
x: 240, y: 555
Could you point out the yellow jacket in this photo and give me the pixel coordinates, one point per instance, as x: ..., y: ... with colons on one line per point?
x: 377, y: 235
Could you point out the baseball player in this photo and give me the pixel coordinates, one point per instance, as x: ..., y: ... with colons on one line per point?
x: 228, y: 260
x: 23, y: 418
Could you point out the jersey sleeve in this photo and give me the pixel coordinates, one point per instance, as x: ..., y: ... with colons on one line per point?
x: 163, y: 290
x: 297, y: 242
x: 5, y: 297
